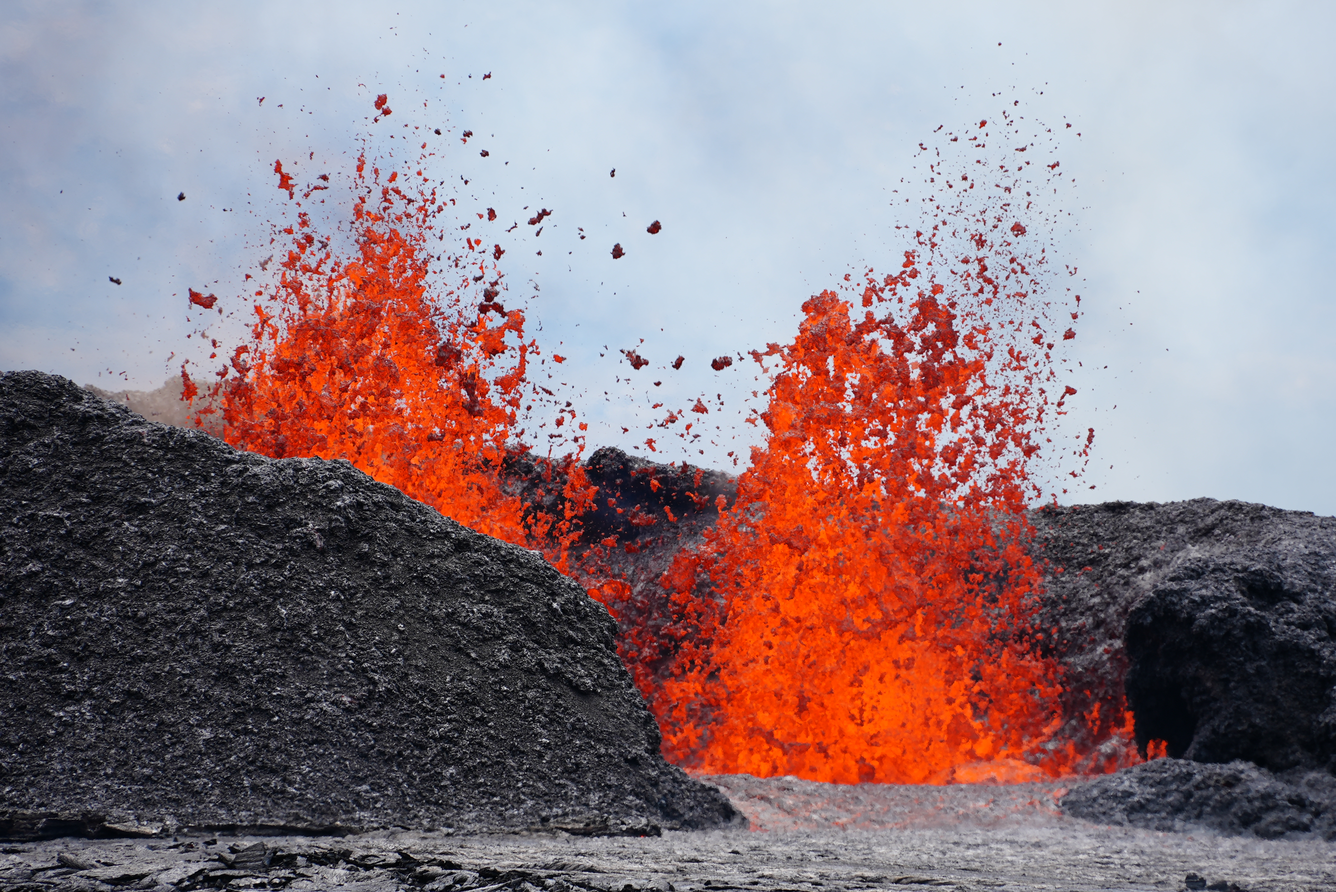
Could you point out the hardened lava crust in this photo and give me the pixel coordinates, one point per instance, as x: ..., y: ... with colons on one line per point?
x: 192, y: 636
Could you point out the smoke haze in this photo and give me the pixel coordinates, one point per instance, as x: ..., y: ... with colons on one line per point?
x: 767, y: 139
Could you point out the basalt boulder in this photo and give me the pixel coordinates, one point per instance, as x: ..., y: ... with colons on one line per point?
x: 196, y: 636
x: 1235, y: 798
x: 1235, y: 658
x: 1215, y: 620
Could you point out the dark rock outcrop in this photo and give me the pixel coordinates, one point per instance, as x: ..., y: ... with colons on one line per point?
x: 195, y: 636
x: 1235, y: 658
x: 644, y: 513
x: 1236, y: 798
x: 1229, y: 613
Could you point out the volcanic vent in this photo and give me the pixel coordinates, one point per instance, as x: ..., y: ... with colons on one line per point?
x: 203, y: 637
x: 883, y: 519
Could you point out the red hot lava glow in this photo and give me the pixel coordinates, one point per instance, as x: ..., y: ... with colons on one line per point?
x: 865, y: 611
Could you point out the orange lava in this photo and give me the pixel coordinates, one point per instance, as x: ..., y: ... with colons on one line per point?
x: 362, y: 358
x: 873, y: 580
x: 865, y: 611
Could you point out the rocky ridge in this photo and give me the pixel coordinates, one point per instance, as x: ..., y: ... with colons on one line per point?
x: 1119, y: 570
x: 192, y: 636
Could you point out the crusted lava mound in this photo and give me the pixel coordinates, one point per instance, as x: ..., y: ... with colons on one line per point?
x: 1236, y: 798
x: 1218, y: 622
x: 1217, y: 619
x: 635, y: 499
x: 643, y: 489
x: 1236, y: 659
x: 195, y: 636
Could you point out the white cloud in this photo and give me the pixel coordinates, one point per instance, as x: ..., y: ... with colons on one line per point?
x: 765, y: 137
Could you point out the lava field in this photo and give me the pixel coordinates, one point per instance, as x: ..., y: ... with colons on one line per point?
x: 201, y: 645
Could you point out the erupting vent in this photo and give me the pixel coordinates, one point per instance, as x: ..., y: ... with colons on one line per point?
x: 865, y: 610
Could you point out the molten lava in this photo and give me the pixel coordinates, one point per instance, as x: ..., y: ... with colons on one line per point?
x: 871, y: 586
x: 865, y: 611
x: 359, y: 358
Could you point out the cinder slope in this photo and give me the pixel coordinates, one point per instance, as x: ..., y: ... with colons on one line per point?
x: 198, y: 636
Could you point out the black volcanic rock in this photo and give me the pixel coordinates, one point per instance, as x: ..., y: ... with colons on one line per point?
x: 1229, y: 613
x: 1235, y: 798
x: 1227, y: 609
x: 195, y: 636
x: 643, y: 515
x: 1235, y: 658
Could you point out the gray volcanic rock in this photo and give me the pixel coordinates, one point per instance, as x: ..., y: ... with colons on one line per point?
x: 195, y: 636
x: 1227, y: 609
x: 1237, y: 798
x: 644, y: 514
x: 1235, y: 658
x: 1005, y: 844
x: 1229, y: 612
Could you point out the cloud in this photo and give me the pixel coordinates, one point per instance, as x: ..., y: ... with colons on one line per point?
x: 767, y: 138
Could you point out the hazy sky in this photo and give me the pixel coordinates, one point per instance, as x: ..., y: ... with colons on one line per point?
x: 767, y: 138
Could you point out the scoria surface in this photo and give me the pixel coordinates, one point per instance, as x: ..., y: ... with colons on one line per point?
x: 805, y: 836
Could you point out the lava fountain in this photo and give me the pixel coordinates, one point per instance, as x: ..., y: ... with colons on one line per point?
x: 865, y: 611
x: 870, y: 590
x: 417, y: 382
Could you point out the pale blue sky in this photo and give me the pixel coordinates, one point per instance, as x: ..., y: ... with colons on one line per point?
x: 765, y: 136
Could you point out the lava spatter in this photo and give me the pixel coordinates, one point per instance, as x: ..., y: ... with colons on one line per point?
x: 369, y: 358
x: 865, y: 610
